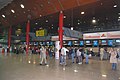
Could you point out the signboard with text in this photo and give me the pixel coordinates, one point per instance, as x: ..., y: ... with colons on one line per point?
x: 102, y: 35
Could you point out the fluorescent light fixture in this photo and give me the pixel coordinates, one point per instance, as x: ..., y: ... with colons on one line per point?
x: 82, y: 12
x: 3, y: 16
x: 12, y: 11
x: 22, y: 6
x: 115, y: 6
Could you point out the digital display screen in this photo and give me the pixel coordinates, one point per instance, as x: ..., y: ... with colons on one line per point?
x: 25, y: 43
x: 81, y: 43
x: 110, y: 42
x: 51, y: 43
x: 43, y: 43
x: 70, y: 43
x: 35, y: 43
x: 95, y: 43
x: 48, y: 43
x: 118, y: 41
x: 76, y: 43
x: 88, y: 42
x: 64, y: 42
x: 40, y: 43
x: 104, y: 42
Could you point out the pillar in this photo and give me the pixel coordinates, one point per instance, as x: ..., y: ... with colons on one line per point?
x: 61, y: 28
x: 27, y: 36
x: 9, y: 37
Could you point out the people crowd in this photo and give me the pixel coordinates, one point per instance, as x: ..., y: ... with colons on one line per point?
x: 77, y: 55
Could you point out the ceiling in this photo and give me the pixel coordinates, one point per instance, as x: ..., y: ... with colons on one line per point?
x: 35, y: 9
x: 45, y: 13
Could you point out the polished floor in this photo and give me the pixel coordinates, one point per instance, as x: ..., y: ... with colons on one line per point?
x: 20, y: 67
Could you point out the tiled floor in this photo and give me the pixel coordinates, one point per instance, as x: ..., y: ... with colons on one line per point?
x: 27, y: 68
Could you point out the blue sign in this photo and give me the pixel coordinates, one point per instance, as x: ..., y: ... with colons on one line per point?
x: 81, y: 43
x: 95, y: 43
x: 110, y: 42
x: 70, y: 43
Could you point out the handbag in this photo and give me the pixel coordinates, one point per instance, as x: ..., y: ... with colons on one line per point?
x: 117, y: 56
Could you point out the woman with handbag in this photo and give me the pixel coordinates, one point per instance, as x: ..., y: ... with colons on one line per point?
x: 113, y: 58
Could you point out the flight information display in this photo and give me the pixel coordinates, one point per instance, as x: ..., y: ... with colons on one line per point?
x: 117, y: 42
x: 104, y: 42
x: 51, y: 43
x: 75, y: 43
x: 95, y: 43
x: 88, y: 42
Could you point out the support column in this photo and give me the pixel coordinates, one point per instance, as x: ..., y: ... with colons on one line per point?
x: 27, y: 36
x: 61, y: 28
x: 9, y: 37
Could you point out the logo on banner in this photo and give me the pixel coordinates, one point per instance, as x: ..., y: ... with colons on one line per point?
x: 103, y: 35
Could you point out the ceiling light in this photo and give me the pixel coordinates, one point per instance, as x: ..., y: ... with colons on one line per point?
x: 40, y: 15
x: 3, y: 16
x: 22, y: 6
x: 78, y: 23
x: 52, y: 24
x: 78, y: 20
x: 119, y: 17
x: 12, y: 11
x: 118, y: 13
x: 46, y: 20
x: 93, y: 21
x: 36, y: 23
x: 41, y: 5
x: 115, y: 6
x: 64, y: 17
x: 101, y: 3
x: 48, y: 2
x: 82, y: 12
x: 28, y: 10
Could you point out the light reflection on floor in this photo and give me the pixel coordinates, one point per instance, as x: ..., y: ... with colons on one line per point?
x: 21, y: 67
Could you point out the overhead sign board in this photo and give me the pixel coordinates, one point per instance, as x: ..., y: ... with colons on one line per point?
x: 102, y: 35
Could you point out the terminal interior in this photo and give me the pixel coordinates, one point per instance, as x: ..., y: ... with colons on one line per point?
x: 30, y: 24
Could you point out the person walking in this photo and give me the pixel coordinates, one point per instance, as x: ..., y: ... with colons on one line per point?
x: 113, y: 59
x: 87, y: 56
x: 63, y: 53
x: 73, y: 54
x: 43, y: 55
x: 79, y: 52
x: 101, y: 53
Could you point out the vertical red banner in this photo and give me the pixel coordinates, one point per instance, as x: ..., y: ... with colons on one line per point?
x: 61, y: 29
x: 27, y: 36
x: 9, y: 37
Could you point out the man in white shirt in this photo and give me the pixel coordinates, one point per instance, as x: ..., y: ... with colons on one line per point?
x: 63, y: 53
